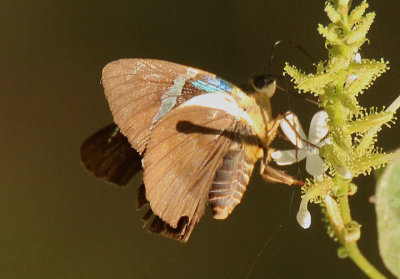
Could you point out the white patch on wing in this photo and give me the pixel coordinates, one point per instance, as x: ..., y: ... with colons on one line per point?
x: 169, y: 97
x: 221, y: 101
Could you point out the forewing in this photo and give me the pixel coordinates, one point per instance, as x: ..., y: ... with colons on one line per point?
x: 184, y: 152
x: 141, y: 91
x: 109, y: 156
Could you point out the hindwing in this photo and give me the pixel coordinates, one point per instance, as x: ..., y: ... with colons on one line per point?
x: 185, y: 150
x: 109, y: 156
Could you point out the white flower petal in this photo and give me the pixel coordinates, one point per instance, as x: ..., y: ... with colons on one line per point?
x: 351, y: 78
x: 357, y: 58
x: 293, y: 135
x: 344, y: 172
x: 327, y: 140
x: 288, y: 157
x: 303, y: 217
x: 315, y: 165
x: 394, y: 106
x: 318, y: 127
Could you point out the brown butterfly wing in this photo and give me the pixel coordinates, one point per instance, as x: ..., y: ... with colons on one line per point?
x: 109, y: 156
x: 136, y: 90
x: 186, y: 148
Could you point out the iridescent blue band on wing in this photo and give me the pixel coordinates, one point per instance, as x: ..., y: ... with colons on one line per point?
x: 211, y: 85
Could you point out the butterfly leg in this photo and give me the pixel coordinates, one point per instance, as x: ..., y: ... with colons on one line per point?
x: 275, y: 123
x: 273, y: 127
x: 271, y: 174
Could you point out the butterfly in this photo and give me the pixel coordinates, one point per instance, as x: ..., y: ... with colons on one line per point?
x: 196, y: 136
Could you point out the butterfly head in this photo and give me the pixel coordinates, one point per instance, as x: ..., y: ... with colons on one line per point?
x: 263, y: 85
x: 262, y: 89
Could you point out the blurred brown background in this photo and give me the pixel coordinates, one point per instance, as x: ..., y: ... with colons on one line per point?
x: 57, y: 221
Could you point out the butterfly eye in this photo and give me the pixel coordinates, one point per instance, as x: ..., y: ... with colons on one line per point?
x: 258, y: 82
x: 261, y: 82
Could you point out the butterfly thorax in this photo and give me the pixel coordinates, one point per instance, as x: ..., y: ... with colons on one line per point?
x: 257, y: 107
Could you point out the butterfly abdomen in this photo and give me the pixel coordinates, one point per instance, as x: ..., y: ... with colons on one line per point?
x: 230, y: 183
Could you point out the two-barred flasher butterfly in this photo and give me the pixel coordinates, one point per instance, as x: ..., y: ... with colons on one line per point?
x: 197, y: 137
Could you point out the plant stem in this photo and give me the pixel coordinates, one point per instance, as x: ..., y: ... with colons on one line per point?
x: 352, y: 247
x: 359, y: 259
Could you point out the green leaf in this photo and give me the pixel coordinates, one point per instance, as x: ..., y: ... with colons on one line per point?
x: 388, y: 216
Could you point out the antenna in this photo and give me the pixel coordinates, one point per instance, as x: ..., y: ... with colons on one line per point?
x: 280, y: 43
x: 275, y: 46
